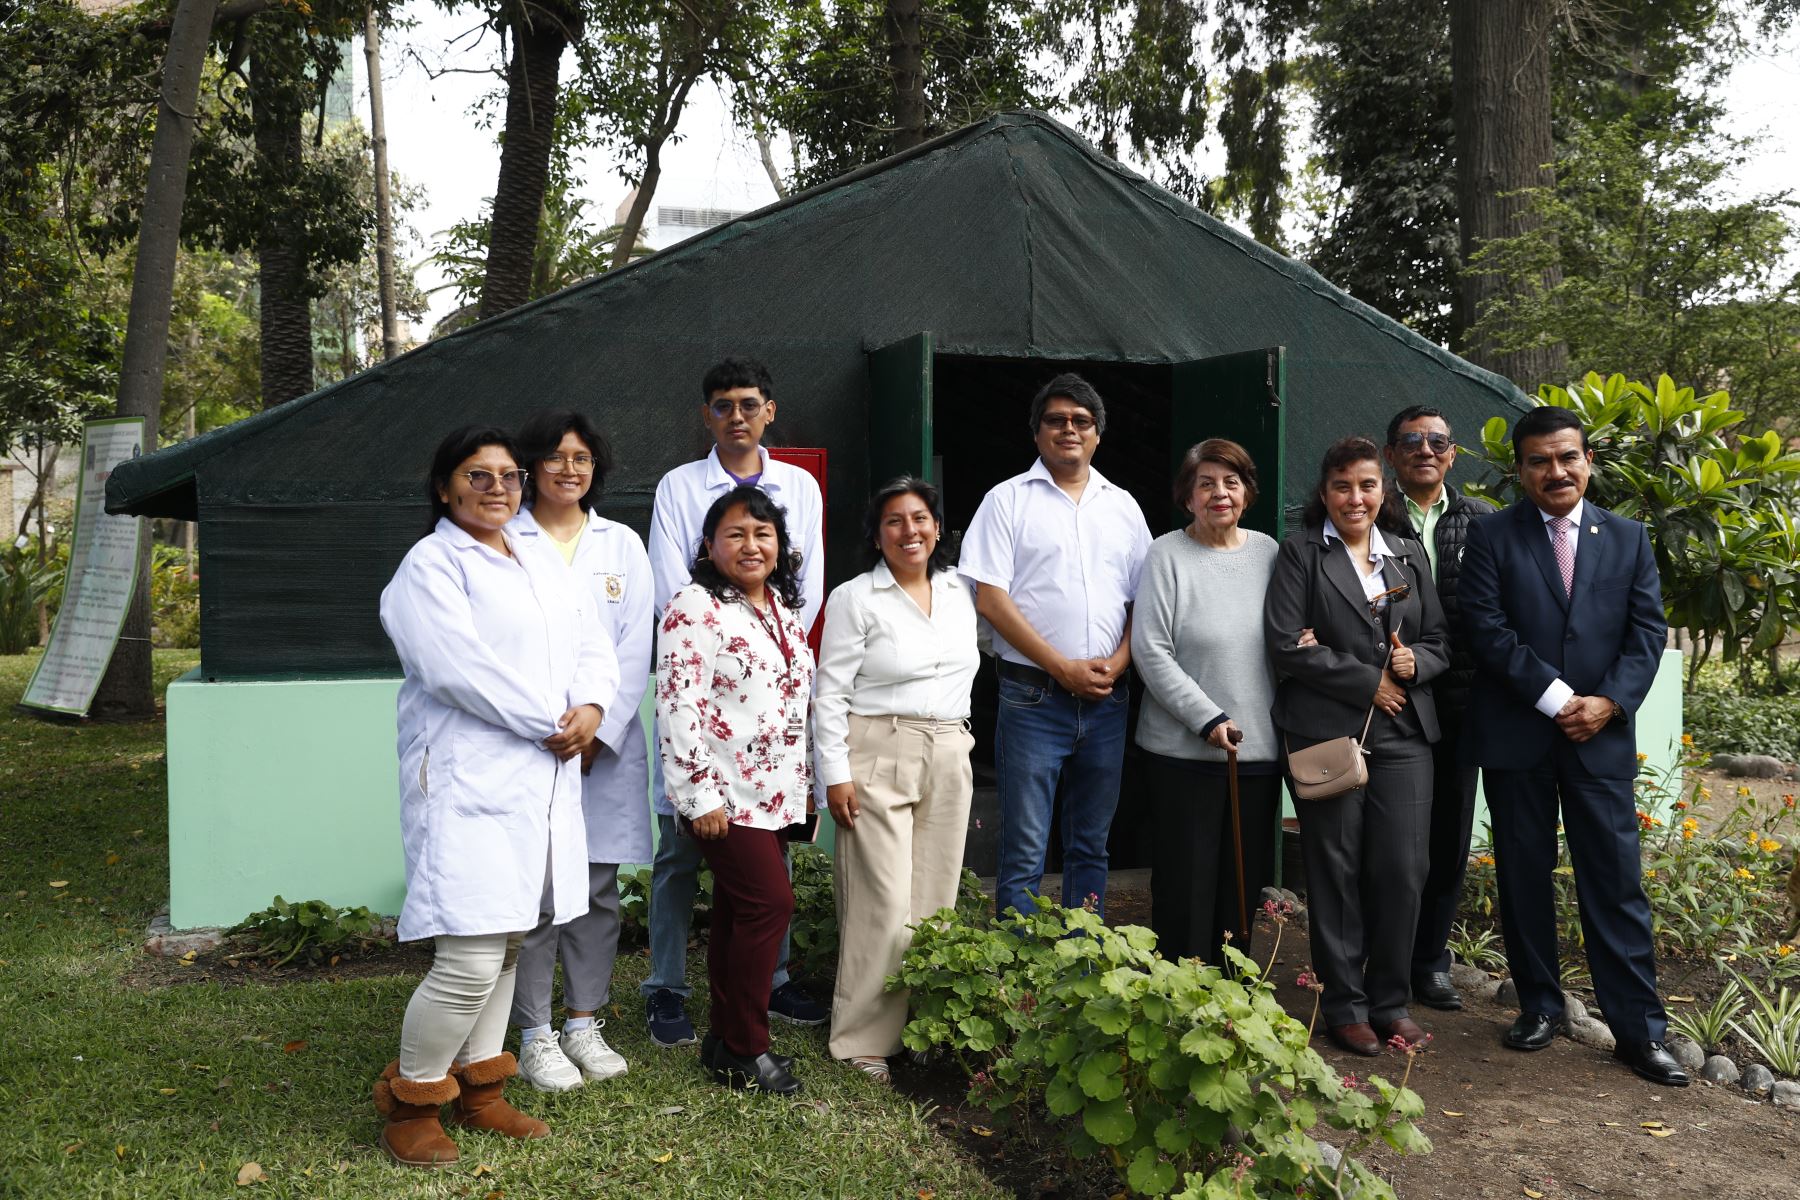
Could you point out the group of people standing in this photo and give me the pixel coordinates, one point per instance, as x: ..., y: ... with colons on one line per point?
x: 525, y: 624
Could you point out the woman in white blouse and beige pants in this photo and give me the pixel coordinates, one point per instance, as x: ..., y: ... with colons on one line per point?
x: 891, y: 733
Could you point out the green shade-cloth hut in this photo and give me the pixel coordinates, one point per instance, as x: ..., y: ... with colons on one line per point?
x: 907, y: 311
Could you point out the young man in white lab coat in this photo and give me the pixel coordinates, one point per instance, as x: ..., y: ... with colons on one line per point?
x: 737, y: 405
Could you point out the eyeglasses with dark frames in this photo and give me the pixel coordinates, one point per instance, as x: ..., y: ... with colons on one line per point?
x: 556, y: 464
x: 1439, y: 442
x: 723, y: 409
x: 1079, y: 422
x: 484, y: 481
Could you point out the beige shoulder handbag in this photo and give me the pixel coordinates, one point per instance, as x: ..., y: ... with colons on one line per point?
x: 1329, y: 769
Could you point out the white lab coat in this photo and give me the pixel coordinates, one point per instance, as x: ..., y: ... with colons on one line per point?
x: 485, y: 642
x: 613, y: 571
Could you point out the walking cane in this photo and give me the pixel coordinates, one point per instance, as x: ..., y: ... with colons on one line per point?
x: 1237, y: 833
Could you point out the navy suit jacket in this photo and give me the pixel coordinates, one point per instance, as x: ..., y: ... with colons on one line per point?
x: 1605, y: 639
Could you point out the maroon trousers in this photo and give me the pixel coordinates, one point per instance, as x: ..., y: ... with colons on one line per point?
x: 752, y: 904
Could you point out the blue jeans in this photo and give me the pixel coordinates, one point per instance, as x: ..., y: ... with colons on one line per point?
x: 1044, y: 734
x: 674, y: 882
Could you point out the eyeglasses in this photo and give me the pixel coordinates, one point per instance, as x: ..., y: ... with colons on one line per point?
x: 1380, y: 600
x: 1079, y: 422
x: 556, y: 464
x: 1439, y: 442
x: 724, y: 408
x: 483, y: 481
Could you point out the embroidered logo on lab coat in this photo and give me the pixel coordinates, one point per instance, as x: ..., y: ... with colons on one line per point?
x: 615, y: 588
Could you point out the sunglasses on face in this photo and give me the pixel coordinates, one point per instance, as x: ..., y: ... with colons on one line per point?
x: 1079, y: 422
x: 483, y: 481
x: 723, y: 409
x: 1409, y: 442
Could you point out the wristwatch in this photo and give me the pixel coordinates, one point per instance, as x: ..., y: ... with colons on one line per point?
x: 1618, y: 712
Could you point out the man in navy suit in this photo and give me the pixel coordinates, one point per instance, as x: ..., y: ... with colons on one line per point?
x: 1564, y: 616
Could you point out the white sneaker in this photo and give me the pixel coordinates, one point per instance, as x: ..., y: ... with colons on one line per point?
x: 545, y: 1067
x: 589, y: 1051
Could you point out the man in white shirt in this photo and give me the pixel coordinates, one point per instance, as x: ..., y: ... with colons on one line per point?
x: 1056, y: 554
x: 737, y: 406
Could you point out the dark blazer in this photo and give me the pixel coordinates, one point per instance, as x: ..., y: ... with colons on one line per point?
x: 1324, y: 691
x: 1606, y: 639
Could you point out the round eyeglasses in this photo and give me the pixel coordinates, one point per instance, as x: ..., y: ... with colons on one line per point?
x: 484, y: 481
x: 556, y: 464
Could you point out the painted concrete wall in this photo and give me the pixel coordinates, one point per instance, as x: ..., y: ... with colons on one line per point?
x: 290, y: 788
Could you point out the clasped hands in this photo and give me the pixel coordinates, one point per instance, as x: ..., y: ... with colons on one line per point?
x: 1581, y: 717
x: 1390, y: 697
x: 575, y: 734
x: 1088, y: 678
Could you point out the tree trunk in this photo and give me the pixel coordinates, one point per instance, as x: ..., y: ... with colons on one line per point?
x: 540, y: 33
x: 277, y: 112
x: 905, y: 66
x: 1500, y: 66
x: 384, y: 208
x: 125, y: 692
x: 689, y: 72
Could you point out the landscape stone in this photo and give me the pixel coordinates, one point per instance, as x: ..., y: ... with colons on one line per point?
x: 165, y: 942
x: 1786, y: 1094
x: 1487, y: 991
x: 1590, y: 1032
x: 1687, y: 1052
x: 1466, y: 977
x: 1719, y: 1069
x: 1751, y: 766
x: 1758, y: 1080
x: 1507, y: 996
x: 1574, y: 1011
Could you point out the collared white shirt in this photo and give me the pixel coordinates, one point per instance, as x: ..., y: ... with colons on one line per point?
x: 685, y: 494
x: 731, y: 709
x: 1372, y: 582
x: 1558, y: 693
x: 1071, y: 568
x: 881, y: 656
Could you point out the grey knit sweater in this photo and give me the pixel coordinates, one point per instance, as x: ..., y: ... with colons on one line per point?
x: 1197, y: 642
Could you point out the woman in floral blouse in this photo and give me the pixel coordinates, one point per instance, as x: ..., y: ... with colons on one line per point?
x: 734, y: 682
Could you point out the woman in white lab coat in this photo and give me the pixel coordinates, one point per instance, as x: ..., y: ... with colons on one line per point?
x: 568, y: 460
x: 507, y: 677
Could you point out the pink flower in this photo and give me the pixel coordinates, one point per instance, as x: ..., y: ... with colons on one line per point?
x: 1306, y: 979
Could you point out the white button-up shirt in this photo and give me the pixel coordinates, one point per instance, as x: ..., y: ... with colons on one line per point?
x: 685, y: 494
x: 1071, y: 568
x: 1372, y: 582
x: 881, y: 656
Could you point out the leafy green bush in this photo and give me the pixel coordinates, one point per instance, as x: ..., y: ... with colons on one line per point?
x: 1728, y: 723
x: 1180, y: 1075
x: 312, y: 929
x: 174, y: 600
x: 23, y: 585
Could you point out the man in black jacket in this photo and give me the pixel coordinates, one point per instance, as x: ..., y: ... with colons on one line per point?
x: 1420, y: 452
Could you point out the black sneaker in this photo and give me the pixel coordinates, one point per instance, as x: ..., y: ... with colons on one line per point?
x: 790, y: 1003
x: 666, y: 1014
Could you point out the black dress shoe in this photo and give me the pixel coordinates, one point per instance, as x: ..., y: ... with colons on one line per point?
x: 1532, y: 1031
x: 1652, y: 1061
x: 709, y: 1049
x: 763, y: 1072
x: 1436, y: 991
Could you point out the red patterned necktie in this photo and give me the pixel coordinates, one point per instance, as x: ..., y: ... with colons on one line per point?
x: 1565, y: 552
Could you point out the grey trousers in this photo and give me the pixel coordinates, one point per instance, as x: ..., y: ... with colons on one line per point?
x: 588, y: 946
x: 1366, y: 855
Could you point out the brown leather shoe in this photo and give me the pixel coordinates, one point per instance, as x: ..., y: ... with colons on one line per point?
x: 480, y: 1106
x: 1357, y: 1039
x: 1406, y: 1029
x: 413, y: 1135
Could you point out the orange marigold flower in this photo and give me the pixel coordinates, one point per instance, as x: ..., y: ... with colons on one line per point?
x: 1743, y: 873
x: 1687, y: 739
x: 1681, y: 806
x: 1783, y: 950
x: 1768, y: 846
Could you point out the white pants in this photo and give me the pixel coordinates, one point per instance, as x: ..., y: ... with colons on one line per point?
x: 458, y: 1012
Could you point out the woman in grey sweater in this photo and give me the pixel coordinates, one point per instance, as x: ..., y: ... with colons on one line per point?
x: 1197, y: 643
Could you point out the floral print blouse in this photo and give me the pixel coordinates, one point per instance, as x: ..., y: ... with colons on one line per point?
x: 731, y: 709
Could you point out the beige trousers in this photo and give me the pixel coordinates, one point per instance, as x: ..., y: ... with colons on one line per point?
x: 898, y: 866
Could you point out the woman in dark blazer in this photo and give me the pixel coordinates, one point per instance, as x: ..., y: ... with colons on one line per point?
x: 1352, y: 622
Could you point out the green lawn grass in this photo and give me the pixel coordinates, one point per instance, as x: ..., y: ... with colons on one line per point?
x: 115, y: 1088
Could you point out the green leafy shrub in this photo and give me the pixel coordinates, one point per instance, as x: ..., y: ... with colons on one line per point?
x: 1728, y: 723
x: 1180, y: 1075
x: 23, y: 586
x: 309, y: 929
x: 174, y: 600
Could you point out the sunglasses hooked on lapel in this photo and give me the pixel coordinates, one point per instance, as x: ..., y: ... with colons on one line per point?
x: 1398, y: 592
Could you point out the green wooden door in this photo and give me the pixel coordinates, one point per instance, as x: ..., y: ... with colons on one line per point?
x: 1236, y: 396
x: 900, y: 410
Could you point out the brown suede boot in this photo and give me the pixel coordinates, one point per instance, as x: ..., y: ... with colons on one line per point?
x: 480, y: 1106
x: 413, y: 1135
